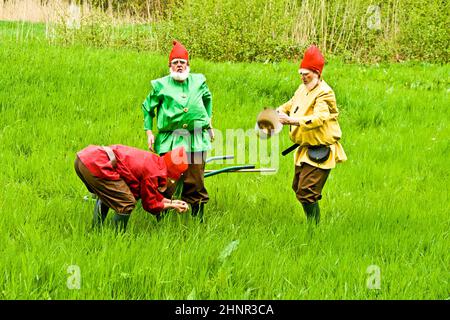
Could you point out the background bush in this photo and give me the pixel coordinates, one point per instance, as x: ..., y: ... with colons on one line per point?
x: 272, y: 30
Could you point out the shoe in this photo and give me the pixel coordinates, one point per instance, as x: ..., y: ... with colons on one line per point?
x: 312, y: 212
x: 100, y: 213
x: 121, y: 221
x: 198, y: 210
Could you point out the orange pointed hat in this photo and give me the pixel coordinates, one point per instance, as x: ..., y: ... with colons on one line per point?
x: 313, y: 60
x: 176, y: 162
x: 178, y: 52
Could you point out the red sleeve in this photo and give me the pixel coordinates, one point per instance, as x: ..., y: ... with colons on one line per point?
x: 151, y: 198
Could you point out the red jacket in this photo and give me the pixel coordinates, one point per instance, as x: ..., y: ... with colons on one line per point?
x: 141, y: 170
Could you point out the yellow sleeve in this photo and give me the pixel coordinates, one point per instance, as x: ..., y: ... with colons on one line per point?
x: 321, y: 112
x: 286, y: 108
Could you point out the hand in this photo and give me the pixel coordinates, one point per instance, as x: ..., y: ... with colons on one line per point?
x: 150, y: 140
x: 212, y: 136
x: 286, y: 120
x: 180, y: 206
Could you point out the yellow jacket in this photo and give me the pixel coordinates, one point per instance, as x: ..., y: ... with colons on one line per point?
x: 317, y: 113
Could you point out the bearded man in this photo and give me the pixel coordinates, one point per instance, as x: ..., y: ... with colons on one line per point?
x: 312, y: 115
x: 182, y: 105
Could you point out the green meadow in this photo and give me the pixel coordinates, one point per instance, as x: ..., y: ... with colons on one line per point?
x: 384, y: 232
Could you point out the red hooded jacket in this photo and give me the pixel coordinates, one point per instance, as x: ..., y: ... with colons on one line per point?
x: 141, y: 170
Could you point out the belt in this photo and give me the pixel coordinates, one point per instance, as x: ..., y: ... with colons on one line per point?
x: 183, y: 132
x: 111, y: 156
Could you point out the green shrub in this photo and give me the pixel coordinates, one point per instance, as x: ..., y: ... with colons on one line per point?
x: 424, y: 33
x: 274, y: 30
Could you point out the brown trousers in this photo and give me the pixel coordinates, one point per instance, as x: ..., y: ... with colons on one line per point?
x: 308, y: 182
x: 114, y: 193
x: 194, y: 191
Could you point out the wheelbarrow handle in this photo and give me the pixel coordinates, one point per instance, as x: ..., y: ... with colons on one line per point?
x: 228, y: 169
x: 219, y: 158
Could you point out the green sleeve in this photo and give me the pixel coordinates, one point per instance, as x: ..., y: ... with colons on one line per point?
x: 148, y: 107
x: 207, y: 99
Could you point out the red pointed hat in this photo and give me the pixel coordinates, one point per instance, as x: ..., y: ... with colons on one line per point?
x: 178, y: 52
x: 313, y: 60
x: 176, y: 162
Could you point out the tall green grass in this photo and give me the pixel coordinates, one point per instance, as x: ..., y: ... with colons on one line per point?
x: 386, y: 206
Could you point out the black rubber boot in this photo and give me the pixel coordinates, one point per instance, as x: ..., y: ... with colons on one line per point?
x: 100, y: 213
x: 201, y: 212
x: 198, y: 210
x: 194, y: 209
x: 312, y: 212
x: 121, y: 221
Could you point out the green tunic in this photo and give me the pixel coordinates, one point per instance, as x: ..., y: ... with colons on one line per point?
x: 183, y: 113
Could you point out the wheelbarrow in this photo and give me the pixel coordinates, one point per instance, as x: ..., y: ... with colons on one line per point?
x: 243, y: 168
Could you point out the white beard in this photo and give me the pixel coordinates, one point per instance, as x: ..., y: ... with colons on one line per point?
x: 180, y: 76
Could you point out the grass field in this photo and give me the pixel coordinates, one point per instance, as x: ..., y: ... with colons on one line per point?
x: 387, y: 206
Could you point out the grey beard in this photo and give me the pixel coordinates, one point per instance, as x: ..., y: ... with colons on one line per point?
x: 180, y: 76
